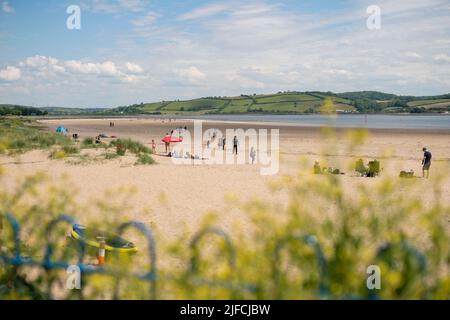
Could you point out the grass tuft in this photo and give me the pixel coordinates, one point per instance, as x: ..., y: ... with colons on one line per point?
x: 144, y: 159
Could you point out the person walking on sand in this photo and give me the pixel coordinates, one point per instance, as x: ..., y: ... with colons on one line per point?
x: 426, y: 162
x: 253, y: 154
x: 235, y: 145
x: 167, y: 143
x: 153, y: 146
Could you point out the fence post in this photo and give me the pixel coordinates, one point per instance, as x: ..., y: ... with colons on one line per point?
x: 406, y: 247
x: 151, y: 275
x: 309, y: 240
x: 17, y: 258
x: 47, y: 262
x: 193, y: 267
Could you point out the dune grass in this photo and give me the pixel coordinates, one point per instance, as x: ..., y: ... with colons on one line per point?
x: 19, y: 136
x: 145, y: 158
x: 135, y: 147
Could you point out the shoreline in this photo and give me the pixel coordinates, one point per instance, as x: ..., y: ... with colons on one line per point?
x: 248, y: 123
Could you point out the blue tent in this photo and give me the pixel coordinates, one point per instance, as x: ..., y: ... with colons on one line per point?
x: 61, y: 129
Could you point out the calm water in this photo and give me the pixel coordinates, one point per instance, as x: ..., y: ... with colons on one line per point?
x: 345, y: 121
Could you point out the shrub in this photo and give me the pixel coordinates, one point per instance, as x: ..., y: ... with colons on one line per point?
x: 120, y: 149
x: 70, y: 149
x: 87, y: 142
x: 133, y: 146
x: 57, y: 154
x: 145, y: 158
x: 110, y: 155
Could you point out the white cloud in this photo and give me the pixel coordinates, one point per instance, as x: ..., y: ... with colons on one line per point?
x: 132, y: 5
x: 134, y: 68
x: 203, y: 12
x: 338, y: 72
x: 46, y: 67
x: 191, y: 74
x: 442, y: 57
x: 114, y: 6
x: 6, y: 7
x: 107, y: 68
x: 413, y: 55
x: 144, y: 21
x: 253, y: 9
x: 10, y: 74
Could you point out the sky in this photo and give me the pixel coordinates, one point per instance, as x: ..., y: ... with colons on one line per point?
x: 133, y: 51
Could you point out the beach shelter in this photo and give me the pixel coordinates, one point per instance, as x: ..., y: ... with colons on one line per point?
x: 61, y: 129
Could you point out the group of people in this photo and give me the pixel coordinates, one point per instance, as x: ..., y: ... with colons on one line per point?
x: 221, y: 144
x: 235, y: 142
x: 373, y: 167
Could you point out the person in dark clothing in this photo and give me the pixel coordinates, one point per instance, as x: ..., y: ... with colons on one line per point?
x: 224, y: 140
x: 235, y: 145
x: 426, y: 162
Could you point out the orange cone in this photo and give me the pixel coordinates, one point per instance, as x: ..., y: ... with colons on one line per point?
x: 101, y: 251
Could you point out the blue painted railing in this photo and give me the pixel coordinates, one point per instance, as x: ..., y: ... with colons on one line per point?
x: 150, y: 276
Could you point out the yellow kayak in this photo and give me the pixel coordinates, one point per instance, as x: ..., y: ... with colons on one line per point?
x: 113, y: 242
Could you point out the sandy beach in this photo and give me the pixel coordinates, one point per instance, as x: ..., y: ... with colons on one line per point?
x: 169, y: 197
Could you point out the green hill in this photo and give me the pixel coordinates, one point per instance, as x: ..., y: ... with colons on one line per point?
x: 286, y: 102
x: 279, y: 103
x: 17, y: 110
x: 60, y: 111
x: 296, y: 103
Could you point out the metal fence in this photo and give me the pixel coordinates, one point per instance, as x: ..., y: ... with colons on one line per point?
x: 16, y: 259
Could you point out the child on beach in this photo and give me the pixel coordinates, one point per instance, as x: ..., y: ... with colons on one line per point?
x: 153, y: 146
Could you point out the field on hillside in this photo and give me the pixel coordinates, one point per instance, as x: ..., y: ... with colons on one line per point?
x: 290, y: 102
x: 438, y: 104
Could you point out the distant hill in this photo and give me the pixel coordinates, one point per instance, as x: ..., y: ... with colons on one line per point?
x: 283, y: 102
x: 289, y: 102
x: 60, y: 111
x: 295, y: 103
x: 17, y: 110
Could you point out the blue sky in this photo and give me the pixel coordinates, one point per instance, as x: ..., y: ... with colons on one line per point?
x: 132, y: 51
